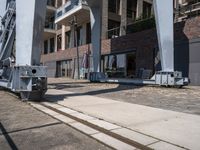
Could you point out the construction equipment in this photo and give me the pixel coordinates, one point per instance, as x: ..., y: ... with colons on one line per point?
x: 21, y: 44
x: 20, y: 47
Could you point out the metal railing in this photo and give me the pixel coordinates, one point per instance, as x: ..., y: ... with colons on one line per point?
x: 49, y: 25
x: 137, y: 26
x: 188, y: 10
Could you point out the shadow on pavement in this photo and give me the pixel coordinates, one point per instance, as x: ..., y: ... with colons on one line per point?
x: 8, y: 138
x: 60, y: 97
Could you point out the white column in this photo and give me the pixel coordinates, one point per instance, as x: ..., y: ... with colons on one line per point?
x: 63, y: 2
x: 165, y: 31
x: 55, y: 40
x: 56, y: 3
x: 63, y: 38
x: 63, y: 31
x: 28, y: 42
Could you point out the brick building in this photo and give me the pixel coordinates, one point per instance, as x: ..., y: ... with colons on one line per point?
x: 128, y: 37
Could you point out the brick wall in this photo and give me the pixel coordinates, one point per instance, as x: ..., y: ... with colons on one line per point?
x: 144, y: 43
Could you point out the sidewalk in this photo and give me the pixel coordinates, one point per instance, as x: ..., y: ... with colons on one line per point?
x: 179, y: 129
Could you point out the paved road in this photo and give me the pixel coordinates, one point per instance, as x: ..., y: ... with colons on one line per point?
x: 23, y: 127
x: 185, y: 100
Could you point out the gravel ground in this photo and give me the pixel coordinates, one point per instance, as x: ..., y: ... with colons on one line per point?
x: 25, y: 128
x: 185, y: 100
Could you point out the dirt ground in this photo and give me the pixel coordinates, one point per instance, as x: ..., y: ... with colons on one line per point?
x: 185, y: 100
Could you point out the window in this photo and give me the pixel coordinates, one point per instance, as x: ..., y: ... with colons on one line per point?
x: 49, y: 22
x: 113, y: 28
x: 51, y: 3
x: 88, y: 33
x: 131, y: 9
x: 147, y: 10
x: 59, y: 42
x: 46, y: 47
x: 131, y: 65
x: 114, y: 65
x: 67, y: 39
x: 79, y: 36
x: 52, y: 45
x: 64, y: 68
x: 119, y: 65
x: 114, y: 6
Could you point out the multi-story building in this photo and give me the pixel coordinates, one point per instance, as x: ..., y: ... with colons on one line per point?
x: 128, y: 40
x: 117, y: 19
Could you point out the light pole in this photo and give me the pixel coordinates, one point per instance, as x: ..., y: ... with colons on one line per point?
x: 76, y: 41
x: 74, y: 24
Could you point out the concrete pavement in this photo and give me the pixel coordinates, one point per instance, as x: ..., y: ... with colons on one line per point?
x: 25, y: 128
x: 174, y: 130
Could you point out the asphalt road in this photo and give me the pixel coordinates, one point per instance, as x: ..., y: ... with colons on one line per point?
x: 25, y: 128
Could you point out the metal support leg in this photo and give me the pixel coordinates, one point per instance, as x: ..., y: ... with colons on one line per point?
x: 96, y: 22
x: 23, y: 74
x: 165, y: 31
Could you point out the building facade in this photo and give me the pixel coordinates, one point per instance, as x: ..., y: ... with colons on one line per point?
x: 128, y: 39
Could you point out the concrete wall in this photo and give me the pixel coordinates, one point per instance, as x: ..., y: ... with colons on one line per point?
x: 194, y: 57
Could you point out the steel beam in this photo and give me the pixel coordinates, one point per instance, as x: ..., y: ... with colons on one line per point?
x: 29, y: 31
x: 165, y: 31
x: 96, y: 21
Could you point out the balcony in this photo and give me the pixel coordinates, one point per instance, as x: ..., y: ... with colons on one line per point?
x: 78, y: 8
x: 189, y: 10
x: 49, y: 30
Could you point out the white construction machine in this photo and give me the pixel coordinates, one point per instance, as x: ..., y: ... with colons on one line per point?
x: 20, y: 47
x: 22, y: 25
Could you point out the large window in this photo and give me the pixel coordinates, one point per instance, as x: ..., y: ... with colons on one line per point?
x: 46, y: 47
x: 147, y: 10
x: 88, y: 34
x: 119, y: 65
x: 52, y: 45
x: 113, y: 29
x: 131, y: 9
x: 64, y: 68
x: 114, y: 6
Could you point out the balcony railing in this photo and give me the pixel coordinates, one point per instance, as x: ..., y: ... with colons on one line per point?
x: 69, y: 6
x: 51, y: 3
x: 137, y: 26
x: 50, y: 25
x: 182, y: 10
